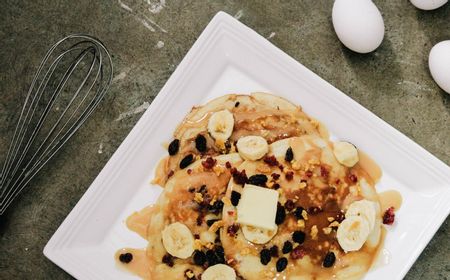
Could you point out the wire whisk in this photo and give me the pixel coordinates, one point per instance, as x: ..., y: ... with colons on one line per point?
x: 70, y: 82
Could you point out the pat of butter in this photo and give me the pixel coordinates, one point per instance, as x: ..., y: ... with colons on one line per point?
x: 257, y: 207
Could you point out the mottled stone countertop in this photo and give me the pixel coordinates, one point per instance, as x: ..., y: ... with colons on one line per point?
x: 393, y: 82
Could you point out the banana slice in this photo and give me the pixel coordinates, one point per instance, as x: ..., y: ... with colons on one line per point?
x: 345, y: 153
x: 220, y: 125
x: 363, y: 208
x: 178, y: 240
x: 252, y: 147
x: 352, y: 233
x: 219, y: 272
x: 258, y: 235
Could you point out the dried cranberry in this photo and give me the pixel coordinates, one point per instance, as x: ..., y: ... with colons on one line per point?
x: 258, y: 180
x: 235, y: 197
x: 264, y: 256
x: 239, y: 177
x: 126, y: 257
x: 228, y: 164
x: 189, y: 171
x: 289, y: 175
x: 271, y: 160
x: 274, y: 251
x: 168, y: 259
x: 298, y: 213
x: 232, y: 229
x: 313, y: 210
x: 174, y: 146
x: 200, y: 217
x: 186, y: 161
x: 289, y: 155
x: 275, y: 176
x: 389, y: 216
x: 329, y: 259
x: 199, y: 257
x: 298, y: 253
x: 191, y: 190
x: 324, y: 171
x: 200, y: 143
x: 308, y: 173
x: 289, y: 205
x: 280, y: 215
x: 281, y: 264
x: 170, y: 174
x: 209, y: 163
x: 287, y: 247
x: 353, y: 178
x: 298, y: 236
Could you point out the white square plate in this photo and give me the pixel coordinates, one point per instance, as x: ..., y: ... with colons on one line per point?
x: 229, y: 57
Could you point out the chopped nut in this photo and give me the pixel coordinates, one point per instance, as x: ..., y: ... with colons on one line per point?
x: 189, y: 274
x: 218, y: 169
x: 245, y: 251
x: 213, y: 200
x: 209, y: 245
x: 198, y: 197
x: 302, y: 185
x: 314, y: 232
x: 334, y: 224
x: 330, y: 219
x: 327, y: 230
x: 220, y: 144
x: 226, y: 201
x: 263, y: 169
x: 296, y: 165
x: 216, y: 226
x: 197, y: 244
x: 301, y: 224
x: 305, y: 215
x: 270, y: 184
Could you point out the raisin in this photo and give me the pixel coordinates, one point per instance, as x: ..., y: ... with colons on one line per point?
x: 280, y: 215
x: 186, y: 161
x: 324, y: 172
x: 202, y: 189
x: 274, y: 251
x: 228, y: 165
x: 126, y: 257
x: 174, y: 146
x: 235, y: 197
x: 211, y: 222
x: 289, y: 155
x: 314, y: 210
x: 287, y: 247
x: 289, y: 205
x: 199, y: 257
x: 298, y: 213
x: 237, y: 104
x: 258, y: 180
x: 275, y: 176
x: 339, y: 217
x: 281, y: 264
x: 220, y: 254
x: 329, y: 259
x: 200, y: 143
x: 298, y: 253
x: 276, y: 186
x: 216, y: 207
x: 239, y: 177
x: 211, y: 258
x: 289, y: 175
x: 271, y: 160
x: 168, y: 259
x: 264, y: 256
x: 298, y: 236
x: 209, y: 163
x: 389, y: 216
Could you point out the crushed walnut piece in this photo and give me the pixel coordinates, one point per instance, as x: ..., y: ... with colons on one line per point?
x: 198, y: 197
x: 198, y: 244
x: 305, y: 215
x: 327, y: 230
x: 314, y: 232
x: 214, y: 227
x: 301, y: 224
x: 226, y: 201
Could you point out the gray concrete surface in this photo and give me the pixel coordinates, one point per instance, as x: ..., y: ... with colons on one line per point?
x: 392, y: 82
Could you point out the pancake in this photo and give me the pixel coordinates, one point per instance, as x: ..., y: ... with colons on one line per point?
x: 261, y: 114
x: 316, y: 182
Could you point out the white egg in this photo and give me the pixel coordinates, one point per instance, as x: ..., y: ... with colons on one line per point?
x: 428, y: 4
x: 358, y: 24
x: 439, y: 63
